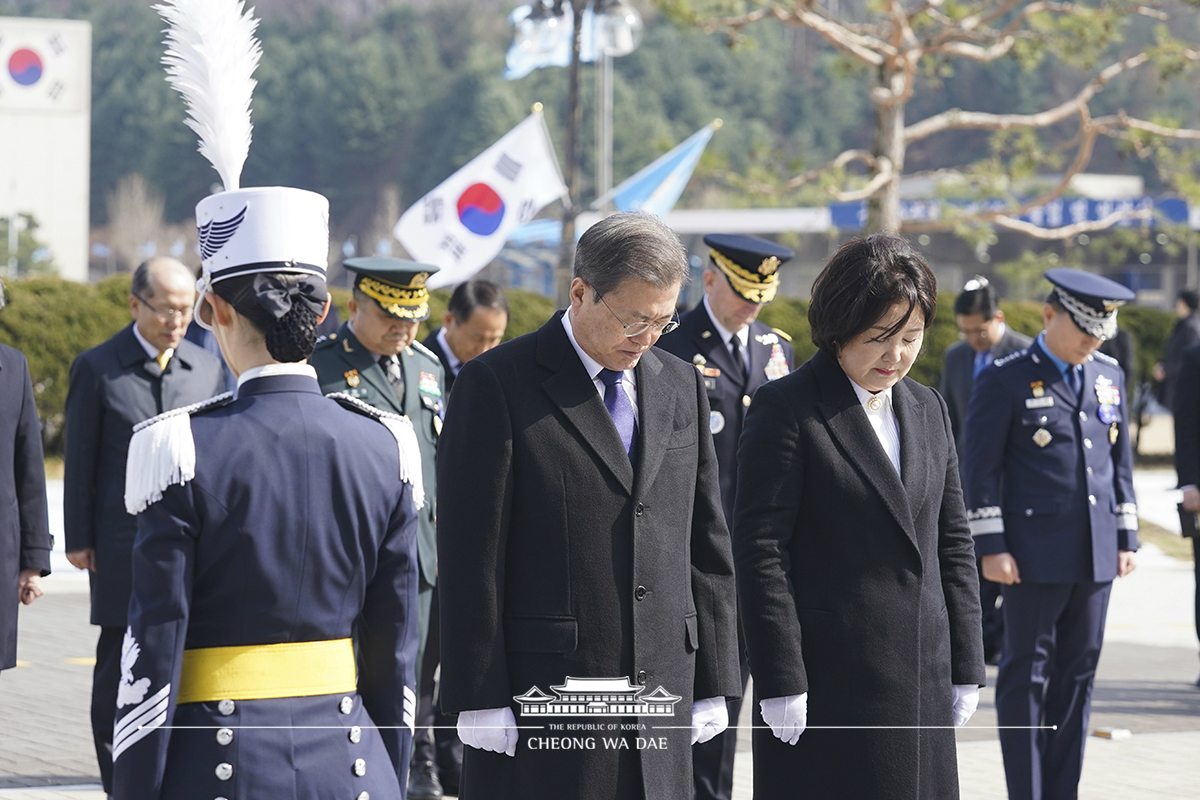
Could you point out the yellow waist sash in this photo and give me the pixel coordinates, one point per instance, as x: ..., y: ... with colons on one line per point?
x: 264, y: 671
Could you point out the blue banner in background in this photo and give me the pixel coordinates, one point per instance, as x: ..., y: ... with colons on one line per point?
x: 1055, y: 214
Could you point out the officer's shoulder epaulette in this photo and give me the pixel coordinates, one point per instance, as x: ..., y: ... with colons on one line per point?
x: 326, y: 341
x: 402, y: 431
x: 1105, y: 358
x: 425, y: 351
x: 1011, y: 357
x: 786, y: 337
x: 162, y: 453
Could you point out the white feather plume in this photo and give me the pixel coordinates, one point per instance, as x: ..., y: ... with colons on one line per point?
x: 211, y: 55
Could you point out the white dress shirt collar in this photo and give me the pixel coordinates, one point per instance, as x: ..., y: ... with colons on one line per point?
x: 743, y: 335
x: 451, y: 359
x: 593, y: 367
x: 882, y: 417
x: 150, y: 349
x: 271, y: 370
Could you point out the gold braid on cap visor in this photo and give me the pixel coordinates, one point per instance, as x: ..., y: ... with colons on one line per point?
x: 746, y: 283
x: 397, y: 301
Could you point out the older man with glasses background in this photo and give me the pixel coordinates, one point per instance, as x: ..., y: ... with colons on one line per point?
x: 145, y: 369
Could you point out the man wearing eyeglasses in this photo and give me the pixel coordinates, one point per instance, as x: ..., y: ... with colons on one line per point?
x: 581, y: 543
x: 145, y: 369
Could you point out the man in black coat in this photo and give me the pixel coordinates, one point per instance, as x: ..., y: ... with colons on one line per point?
x: 24, y: 530
x: 474, y: 323
x: 986, y: 337
x: 1187, y: 448
x: 146, y: 369
x: 581, y: 544
x: 1185, y: 334
x: 735, y: 354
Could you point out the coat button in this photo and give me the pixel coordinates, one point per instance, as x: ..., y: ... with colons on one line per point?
x: 360, y: 767
x: 355, y: 735
x: 1083, y: 416
x: 640, y: 508
x: 1089, y: 470
x: 346, y: 705
x: 641, y: 678
x: 224, y: 736
x: 224, y: 771
x: 1092, y: 499
x: 1087, y: 443
x: 363, y: 796
x: 640, y: 593
x: 225, y: 707
x: 1029, y: 512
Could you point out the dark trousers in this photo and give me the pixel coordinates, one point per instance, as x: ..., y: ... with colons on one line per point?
x: 440, y: 745
x: 1052, y: 638
x: 993, y: 620
x: 105, y: 678
x: 1196, y: 565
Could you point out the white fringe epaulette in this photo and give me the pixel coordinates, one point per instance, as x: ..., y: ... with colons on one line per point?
x: 162, y: 453
x: 402, y: 431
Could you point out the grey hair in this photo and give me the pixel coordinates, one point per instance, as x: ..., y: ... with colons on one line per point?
x: 630, y: 246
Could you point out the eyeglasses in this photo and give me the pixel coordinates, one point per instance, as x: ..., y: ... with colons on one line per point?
x: 170, y: 314
x: 638, y: 328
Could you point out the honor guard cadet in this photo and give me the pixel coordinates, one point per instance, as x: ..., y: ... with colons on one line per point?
x: 271, y: 645
x: 1049, y: 493
x: 375, y: 357
x: 735, y: 354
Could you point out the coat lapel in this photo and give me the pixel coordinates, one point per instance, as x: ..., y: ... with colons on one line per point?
x: 914, y: 464
x: 847, y: 422
x: 572, y: 390
x: 656, y: 412
x: 360, y: 358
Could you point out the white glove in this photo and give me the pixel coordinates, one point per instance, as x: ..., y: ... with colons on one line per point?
x: 966, y: 700
x: 493, y: 729
x: 787, y: 716
x: 709, y: 718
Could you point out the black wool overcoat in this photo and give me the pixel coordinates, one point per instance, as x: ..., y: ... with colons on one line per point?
x: 560, y: 559
x: 858, y: 586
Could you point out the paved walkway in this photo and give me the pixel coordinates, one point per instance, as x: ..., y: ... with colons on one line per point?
x: 1145, y: 684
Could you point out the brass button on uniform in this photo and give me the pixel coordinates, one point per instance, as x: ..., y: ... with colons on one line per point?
x: 355, y: 735
x: 360, y: 767
x: 225, y: 707
x: 746, y: 400
x: 224, y: 771
x: 1083, y: 416
x: 346, y: 705
x: 224, y: 736
x: 1087, y: 443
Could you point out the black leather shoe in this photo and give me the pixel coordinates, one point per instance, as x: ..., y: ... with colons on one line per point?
x: 450, y: 777
x: 423, y: 783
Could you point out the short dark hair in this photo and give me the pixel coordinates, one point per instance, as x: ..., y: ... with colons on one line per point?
x: 471, y: 295
x: 981, y: 301
x: 1190, y: 297
x: 863, y: 279
x: 140, y: 286
x: 630, y: 245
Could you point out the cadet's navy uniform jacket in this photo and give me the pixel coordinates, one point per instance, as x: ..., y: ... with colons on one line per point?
x: 295, y: 528
x: 1037, y: 457
x: 729, y: 386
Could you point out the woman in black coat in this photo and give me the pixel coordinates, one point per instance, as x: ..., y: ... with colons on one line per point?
x: 855, y: 567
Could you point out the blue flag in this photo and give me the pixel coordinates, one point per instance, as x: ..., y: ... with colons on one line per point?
x: 656, y: 188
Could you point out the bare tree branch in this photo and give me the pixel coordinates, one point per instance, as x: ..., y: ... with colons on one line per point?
x: 1066, y: 231
x: 1121, y: 119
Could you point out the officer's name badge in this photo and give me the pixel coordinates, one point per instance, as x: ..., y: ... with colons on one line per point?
x: 1042, y: 437
x: 429, y: 384
x: 1106, y: 392
x: 351, y: 378
x: 767, y: 338
x: 1038, y: 390
x: 777, y: 365
x: 1039, y: 402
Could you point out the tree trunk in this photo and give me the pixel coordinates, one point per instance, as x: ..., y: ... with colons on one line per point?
x: 883, y: 210
x: 566, y: 248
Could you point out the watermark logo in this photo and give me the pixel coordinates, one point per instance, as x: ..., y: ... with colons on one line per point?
x: 597, y: 697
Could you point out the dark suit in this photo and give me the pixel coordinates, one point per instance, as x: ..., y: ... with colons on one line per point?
x: 729, y: 386
x: 958, y: 378
x: 1049, y: 479
x: 24, y: 527
x: 295, y: 529
x: 434, y: 346
x: 858, y: 586
x: 114, y: 386
x: 561, y: 558
x: 1187, y: 440
x: 1185, y: 334
x: 344, y: 365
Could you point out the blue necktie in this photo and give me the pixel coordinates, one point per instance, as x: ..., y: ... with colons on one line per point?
x: 981, y: 361
x: 1073, y: 380
x: 619, y: 407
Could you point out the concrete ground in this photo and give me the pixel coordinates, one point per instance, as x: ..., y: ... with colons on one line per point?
x: 1145, y: 684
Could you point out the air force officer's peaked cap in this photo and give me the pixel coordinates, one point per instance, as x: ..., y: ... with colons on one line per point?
x: 396, y: 284
x: 750, y: 264
x: 1091, y: 300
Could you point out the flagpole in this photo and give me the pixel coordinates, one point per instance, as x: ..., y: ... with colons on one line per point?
x: 566, y: 249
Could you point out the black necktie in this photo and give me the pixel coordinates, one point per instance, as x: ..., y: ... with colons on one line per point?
x: 735, y: 346
x: 395, y: 376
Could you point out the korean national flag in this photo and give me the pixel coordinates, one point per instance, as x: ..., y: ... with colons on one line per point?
x: 462, y: 224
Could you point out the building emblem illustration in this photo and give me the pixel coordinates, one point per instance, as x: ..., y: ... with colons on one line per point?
x: 597, y: 697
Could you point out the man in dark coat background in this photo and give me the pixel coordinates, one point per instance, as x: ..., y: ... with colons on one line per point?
x: 1187, y: 451
x: 146, y: 369
x: 1185, y: 334
x: 986, y: 337
x: 581, y: 538
x: 474, y: 323
x: 735, y: 354
x: 24, y: 529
